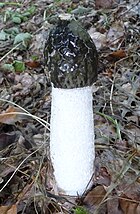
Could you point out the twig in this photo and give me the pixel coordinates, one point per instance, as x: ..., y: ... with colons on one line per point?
x: 9, y: 52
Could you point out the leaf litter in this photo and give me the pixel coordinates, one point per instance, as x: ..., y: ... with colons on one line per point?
x: 27, y: 184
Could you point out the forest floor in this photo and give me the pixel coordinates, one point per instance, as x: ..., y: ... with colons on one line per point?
x: 27, y: 184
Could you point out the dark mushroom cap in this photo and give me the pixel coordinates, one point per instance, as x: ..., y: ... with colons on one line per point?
x: 71, y: 55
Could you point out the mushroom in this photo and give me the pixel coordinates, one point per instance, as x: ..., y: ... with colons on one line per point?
x: 71, y: 58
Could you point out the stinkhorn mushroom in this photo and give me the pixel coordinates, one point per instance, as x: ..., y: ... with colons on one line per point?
x: 71, y: 57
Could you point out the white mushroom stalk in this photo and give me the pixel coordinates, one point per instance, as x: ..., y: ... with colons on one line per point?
x: 72, y: 62
x: 72, y: 144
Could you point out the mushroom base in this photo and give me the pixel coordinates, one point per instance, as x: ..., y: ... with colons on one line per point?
x: 72, y: 139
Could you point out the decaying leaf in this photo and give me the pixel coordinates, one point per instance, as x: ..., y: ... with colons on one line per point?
x: 95, y: 196
x: 98, y: 38
x: 94, y: 200
x: 10, y: 116
x: 115, y: 33
x: 105, y: 3
x: 118, y: 54
x: 8, y: 209
x: 113, y: 205
x: 33, y: 64
x: 129, y: 206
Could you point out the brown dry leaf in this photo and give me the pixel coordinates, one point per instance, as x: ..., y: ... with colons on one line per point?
x: 95, y: 196
x: 128, y: 206
x: 105, y: 3
x: 118, y: 54
x: 93, y: 200
x: 113, y: 204
x: 132, y: 190
x: 8, y: 209
x: 32, y: 64
x: 10, y: 116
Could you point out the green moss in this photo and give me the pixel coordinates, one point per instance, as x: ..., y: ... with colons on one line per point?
x: 80, y: 210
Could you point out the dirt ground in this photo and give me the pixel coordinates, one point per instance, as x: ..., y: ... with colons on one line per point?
x: 27, y: 184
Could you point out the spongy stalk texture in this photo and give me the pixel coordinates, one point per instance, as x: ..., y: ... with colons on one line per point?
x: 72, y: 138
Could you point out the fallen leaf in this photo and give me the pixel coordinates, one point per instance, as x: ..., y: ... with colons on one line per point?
x: 33, y: 64
x: 113, y: 204
x: 105, y: 4
x: 98, y: 38
x: 10, y: 116
x: 95, y: 196
x: 8, y: 209
x: 93, y: 200
x: 118, y: 54
x: 115, y: 33
x: 80, y: 10
x: 129, y: 206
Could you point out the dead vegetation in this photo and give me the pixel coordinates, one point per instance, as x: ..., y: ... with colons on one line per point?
x: 27, y: 185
